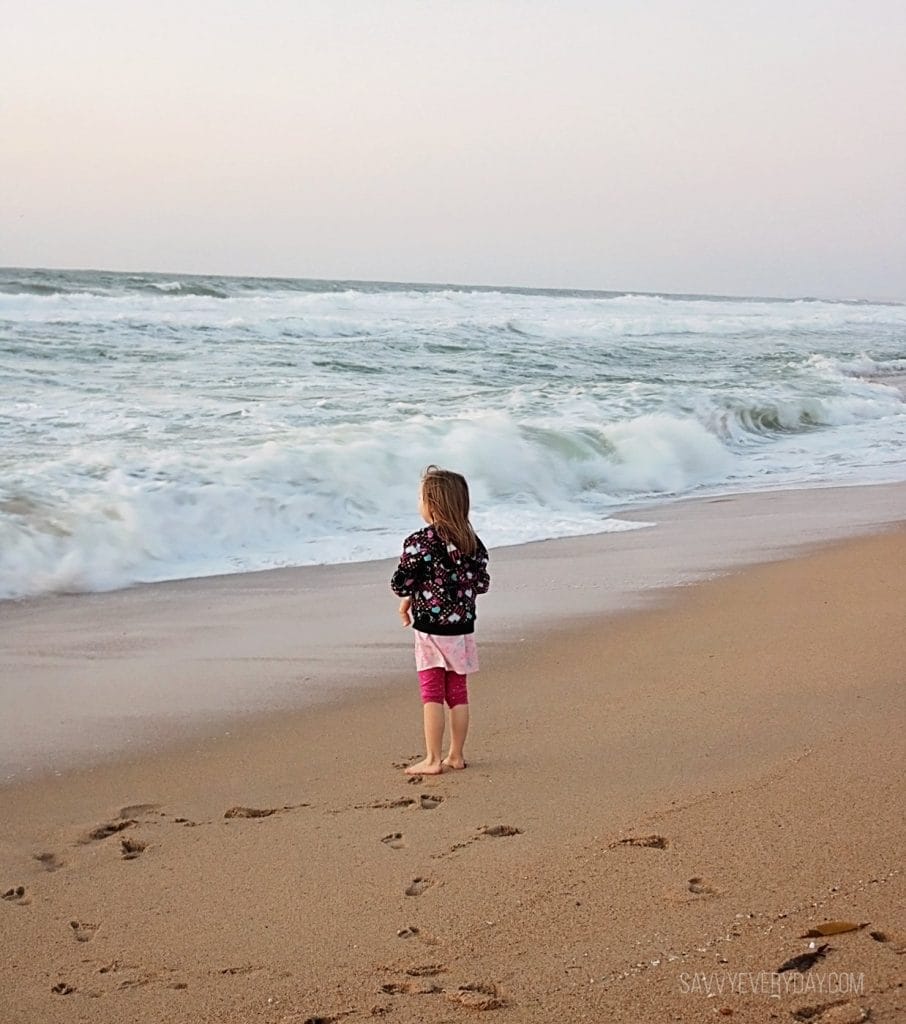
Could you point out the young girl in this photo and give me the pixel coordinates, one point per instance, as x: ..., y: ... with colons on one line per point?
x: 442, y: 570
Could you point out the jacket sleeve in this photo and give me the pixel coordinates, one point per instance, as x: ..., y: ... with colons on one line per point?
x: 404, y: 582
x: 482, y: 576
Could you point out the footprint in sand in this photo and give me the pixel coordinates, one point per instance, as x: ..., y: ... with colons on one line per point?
x: 425, y: 970
x: 403, y: 801
x: 700, y: 887
x: 478, y: 996
x: 395, y: 840
x: 109, y: 828
x: 17, y: 895
x: 896, y: 940
x: 410, y: 988
x: 116, y: 965
x: 500, y: 830
x: 259, y: 812
x: 132, y: 848
x: 496, y: 831
x: 49, y: 861
x: 62, y: 989
x: 418, y: 886
x: 144, y: 978
x: 84, y: 932
x: 137, y: 811
x: 413, y: 932
x: 654, y: 842
x: 428, y: 802
x: 250, y: 812
x: 456, y: 847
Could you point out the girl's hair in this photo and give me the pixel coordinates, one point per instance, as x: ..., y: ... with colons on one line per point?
x: 446, y: 495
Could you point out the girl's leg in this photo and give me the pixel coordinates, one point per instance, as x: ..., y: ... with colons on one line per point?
x: 432, y: 682
x: 457, y: 694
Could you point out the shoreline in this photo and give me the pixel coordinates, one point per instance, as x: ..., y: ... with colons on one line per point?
x: 674, y: 793
x: 646, y: 513
x: 204, y: 655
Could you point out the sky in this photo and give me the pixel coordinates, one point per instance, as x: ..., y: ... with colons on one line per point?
x: 715, y: 147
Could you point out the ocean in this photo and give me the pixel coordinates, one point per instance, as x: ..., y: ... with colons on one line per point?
x: 159, y: 426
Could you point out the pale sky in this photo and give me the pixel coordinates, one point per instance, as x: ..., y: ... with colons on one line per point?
x: 719, y: 146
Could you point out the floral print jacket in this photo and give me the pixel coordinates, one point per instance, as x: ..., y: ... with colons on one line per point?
x: 442, y: 582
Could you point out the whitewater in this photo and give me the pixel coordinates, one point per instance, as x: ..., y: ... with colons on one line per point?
x: 159, y: 427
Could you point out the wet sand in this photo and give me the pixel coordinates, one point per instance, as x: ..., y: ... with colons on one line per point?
x: 657, y: 804
x: 92, y: 676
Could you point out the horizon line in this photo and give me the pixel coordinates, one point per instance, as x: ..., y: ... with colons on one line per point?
x: 457, y: 286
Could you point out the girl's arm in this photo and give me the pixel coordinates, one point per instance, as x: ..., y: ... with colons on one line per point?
x: 482, y: 577
x: 404, y: 582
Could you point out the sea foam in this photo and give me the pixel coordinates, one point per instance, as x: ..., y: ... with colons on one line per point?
x: 156, y: 427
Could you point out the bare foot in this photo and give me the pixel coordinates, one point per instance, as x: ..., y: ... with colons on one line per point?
x: 454, y: 762
x: 426, y: 767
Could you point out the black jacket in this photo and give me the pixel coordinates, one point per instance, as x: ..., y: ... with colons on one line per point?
x: 442, y: 582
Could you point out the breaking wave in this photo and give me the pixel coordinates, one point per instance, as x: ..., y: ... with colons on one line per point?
x: 163, y: 426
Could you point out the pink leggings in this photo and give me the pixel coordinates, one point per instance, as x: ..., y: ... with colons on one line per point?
x: 439, y: 685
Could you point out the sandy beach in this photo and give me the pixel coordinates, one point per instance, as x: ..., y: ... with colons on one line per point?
x: 659, y: 803
x: 306, y: 309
